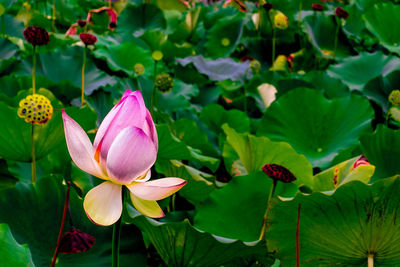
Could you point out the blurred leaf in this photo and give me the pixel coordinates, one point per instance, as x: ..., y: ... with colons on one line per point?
x: 223, y: 37
x: 321, y: 31
x: 315, y: 126
x: 69, y: 68
x: 191, y: 247
x: 382, y: 149
x: 220, y: 69
x: 383, y: 21
x: 125, y: 56
x: 340, y: 229
x: 214, y: 116
x: 135, y: 20
x: 356, y: 71
x: 12, y: 253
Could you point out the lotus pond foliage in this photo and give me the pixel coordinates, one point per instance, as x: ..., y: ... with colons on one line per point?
x: 199, y: 133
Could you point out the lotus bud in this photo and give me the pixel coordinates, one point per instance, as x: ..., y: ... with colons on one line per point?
x: 280, y: 21
x: 36, y: 35
x: 87, y: 38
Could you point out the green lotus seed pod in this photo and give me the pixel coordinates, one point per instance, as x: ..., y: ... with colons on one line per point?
x: 395, y: 113
x: 35, y: 109
x: 139, y: 68
x: 164, y: 82
x: 280, y: 21
x: 394, y: 98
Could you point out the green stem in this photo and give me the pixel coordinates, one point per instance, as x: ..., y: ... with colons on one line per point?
x: 245, y: 99
x: 273, y: 38
x: 299, y: 18
x: 273, y: 187
x: 370, y: 260
x: 153, y: 102
x: 336, y: 38
x: 83, y: 76
x: 298, y: 236
x: 34, y: 177
x: 53, y: 17
x: 273, y: 46
x: 259, y: 19
x: 34, y: 70
x: 116, y: 236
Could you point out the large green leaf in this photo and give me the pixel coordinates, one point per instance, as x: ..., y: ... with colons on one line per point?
x: 342, y: 229
x: 237, y: 210
x: 34, y: 214
x: 356, y: 71
x: 382, y: 148
x: 180, y: 244
x: 254, y: 152
x: 315, y: 126
x: 383, y: 21
x: 12, y: 253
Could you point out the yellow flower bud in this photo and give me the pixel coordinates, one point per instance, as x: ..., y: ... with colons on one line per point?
x: 280, y: 21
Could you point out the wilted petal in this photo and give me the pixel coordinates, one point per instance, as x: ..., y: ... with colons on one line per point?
x: 149, y: 208
x: 103, y: 204
x: 80, y: 148
x: 131, y: 155
x: 157, y: 189
x: 130, y: 111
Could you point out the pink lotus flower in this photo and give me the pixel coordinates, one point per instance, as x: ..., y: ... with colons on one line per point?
x: 124, y: 149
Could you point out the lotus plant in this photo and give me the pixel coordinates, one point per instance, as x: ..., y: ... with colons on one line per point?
x: 124, y: 149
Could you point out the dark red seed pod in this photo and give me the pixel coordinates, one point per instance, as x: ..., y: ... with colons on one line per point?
x: 87, y: 38
x: 75, y: 241
x: 341, y: 13
x: 81, y: 23
x: 268, y: 6
x: 36, y: 35
x: 317, y: 7
x: 279, y: 173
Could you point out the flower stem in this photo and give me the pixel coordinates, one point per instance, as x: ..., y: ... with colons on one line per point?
x: 273, y: 38
x: 273, y: 187
x: 116, y: 237
x: 336, y: 38
x: 297, y: 237
x: 370, y: 260
x: 153, y: 102
x: 33, y: 164
x: 53, y: 17
x: 299, y: 18
x: 34, y: 70
x: 66, y: 205
x: 83, y: 76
